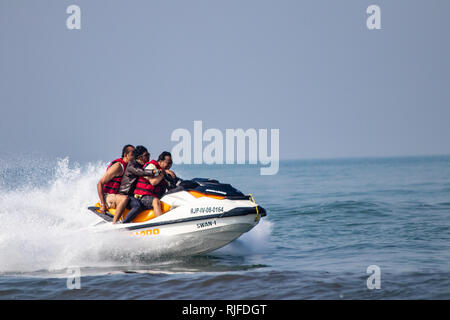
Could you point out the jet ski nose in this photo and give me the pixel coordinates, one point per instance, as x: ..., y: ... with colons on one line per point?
x: 262, y: 211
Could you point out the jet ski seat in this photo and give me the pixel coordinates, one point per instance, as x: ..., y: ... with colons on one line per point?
x: 141, y: 217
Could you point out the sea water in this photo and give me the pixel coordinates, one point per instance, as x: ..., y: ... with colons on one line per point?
x: 328, y: 223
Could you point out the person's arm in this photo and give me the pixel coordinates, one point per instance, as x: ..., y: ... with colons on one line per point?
x: 140, y: 172
x: 171, y: 179
x: 171, y: 173
x: 114, y: 171
x: 156, y: 180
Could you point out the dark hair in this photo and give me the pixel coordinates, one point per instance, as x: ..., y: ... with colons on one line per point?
x: 163, y: 155
x: 139, y: 151
x: 126, y: 148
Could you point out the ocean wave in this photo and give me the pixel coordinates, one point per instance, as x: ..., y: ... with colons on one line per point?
x: 253, y: 285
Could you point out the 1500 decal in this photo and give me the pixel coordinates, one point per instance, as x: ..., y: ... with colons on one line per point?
x: 147, y: 232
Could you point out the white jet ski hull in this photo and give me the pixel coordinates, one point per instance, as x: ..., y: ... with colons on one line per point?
x: 195, y: 225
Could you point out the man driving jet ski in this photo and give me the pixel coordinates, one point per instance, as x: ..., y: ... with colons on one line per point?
x: 150, y: 189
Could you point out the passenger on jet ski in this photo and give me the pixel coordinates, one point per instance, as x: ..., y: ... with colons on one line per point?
x: 133, y: 171
x: 150, y: 189
x: 108, y: 185
x: 165, y: 162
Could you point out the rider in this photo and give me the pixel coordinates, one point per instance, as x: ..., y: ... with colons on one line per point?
x: 132, y: 173
x: 108, y: 185
x: 150, y: 189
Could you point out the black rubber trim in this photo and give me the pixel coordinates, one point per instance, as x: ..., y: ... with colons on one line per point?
x: 243, y: 211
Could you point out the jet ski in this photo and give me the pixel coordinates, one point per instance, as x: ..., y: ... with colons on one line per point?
x: 204, y: 213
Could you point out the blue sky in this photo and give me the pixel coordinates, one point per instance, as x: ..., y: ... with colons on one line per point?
x: 138, y: 70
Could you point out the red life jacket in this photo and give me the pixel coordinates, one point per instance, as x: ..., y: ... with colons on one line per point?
x: 113, y: 185
x: 145, y: 188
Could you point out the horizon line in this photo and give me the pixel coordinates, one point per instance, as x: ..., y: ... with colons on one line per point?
x: 368, y: 157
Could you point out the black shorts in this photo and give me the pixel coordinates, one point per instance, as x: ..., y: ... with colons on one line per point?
x: 147, y: 202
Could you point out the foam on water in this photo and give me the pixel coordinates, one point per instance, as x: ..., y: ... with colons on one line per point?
x: 39, y: 220
x: 256, y: 241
